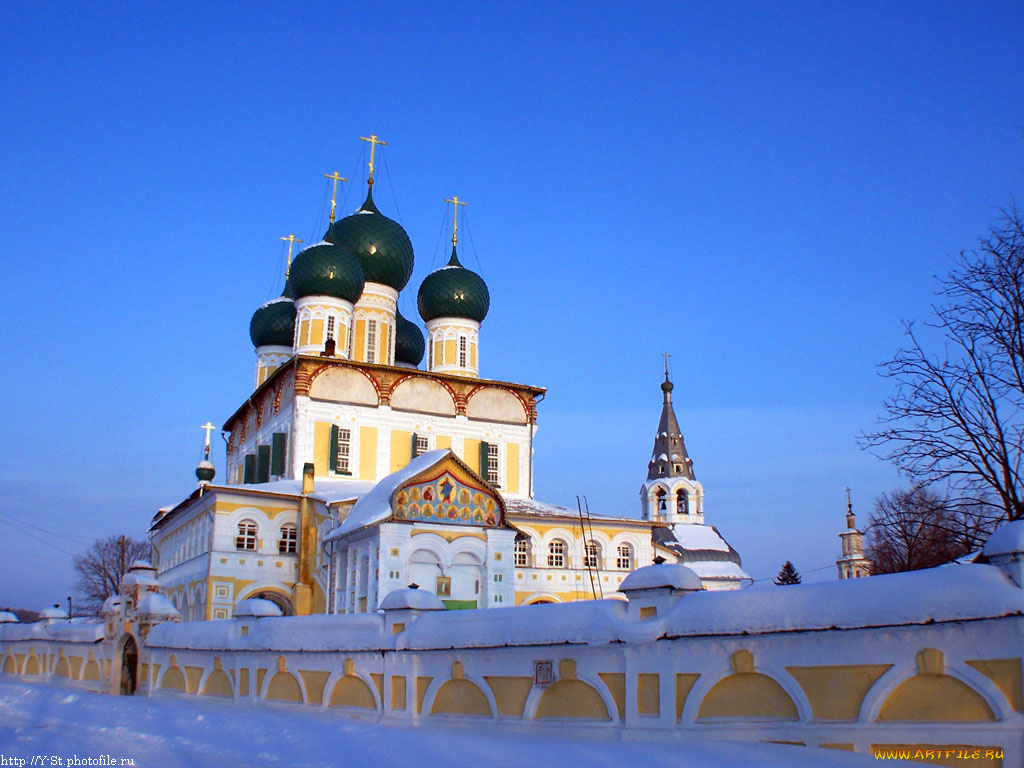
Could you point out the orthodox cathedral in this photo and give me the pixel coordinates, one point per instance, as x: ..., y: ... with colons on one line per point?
x: 352, y: 471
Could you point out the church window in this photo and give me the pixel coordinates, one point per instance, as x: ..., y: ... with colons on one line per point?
x: 682, y: 502
x: 556, y: 554
x: 462, y: 351
x: 348, y: 336
x: 624, y: 561
x: 420, y: 444
x: 660, y: 496
x: 522, y: 553
x: 343, y: 444
x: 330, y: 327
x: 492, y: 463
x: 592, y: 558
x: 371, y: 341
x: 246, y: 539
x: 289, y: 541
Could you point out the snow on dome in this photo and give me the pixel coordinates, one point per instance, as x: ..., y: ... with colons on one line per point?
x: 155, y: 604
x: 6, y: 617
x: 412, y: 597
x: 53, y: 613
x: 257, y: 607
x: 111, y: 604
x: 661, y: 576
x: 142, y: 565
x: 139, y: 578
x: 1007, y: 540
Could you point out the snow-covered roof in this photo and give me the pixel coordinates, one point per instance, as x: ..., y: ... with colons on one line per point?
x: 695, y: 536
x: 6, y: 617
x: 543, y: 509
x: 1008, y: 539
x: 952, y: 593
x: 155, y: 604
x: 662, y: 576
x: 142, y: 565
x: 329, y: 490
x: 375, y: 506
x: 139, y: 578
x: 718, y: 569
x: 417, y: 599
x: 111, y: 604
x: 53, y: 613
x: 256, y: 607
x: 63, y: 630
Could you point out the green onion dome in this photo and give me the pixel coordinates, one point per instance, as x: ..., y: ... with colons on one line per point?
x: 409, y: 342
x: 453, y: 291
x: 381, y: 245
x: 273, y: 324
x: 205, y: 471
x: 326, y: 269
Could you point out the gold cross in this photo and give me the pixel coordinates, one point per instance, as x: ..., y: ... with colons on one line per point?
x: 374, y: 141
x: 334, y: 193
x: 209, y: 428
x: 849, y: 502
x: 666, y: 355
x: 292, y: 240
x: 455, y: 217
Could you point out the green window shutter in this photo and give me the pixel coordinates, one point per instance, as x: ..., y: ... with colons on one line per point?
x: 263, y: 464
x: 250, y: 469
x: 412, y: 449
x: 332, y: 450
x: 277, y: 454
x: 483, y: 459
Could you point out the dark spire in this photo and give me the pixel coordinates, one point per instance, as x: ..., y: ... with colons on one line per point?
x: 669, y: 458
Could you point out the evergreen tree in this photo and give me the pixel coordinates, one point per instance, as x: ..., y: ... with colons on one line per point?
x: 787, y: 574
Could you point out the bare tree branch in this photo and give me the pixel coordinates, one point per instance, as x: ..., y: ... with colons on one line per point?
x: 101, y: 567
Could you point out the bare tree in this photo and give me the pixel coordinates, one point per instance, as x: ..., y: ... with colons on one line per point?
x: 101, y: 567
x: 957, y: 416
x: 916, y: 528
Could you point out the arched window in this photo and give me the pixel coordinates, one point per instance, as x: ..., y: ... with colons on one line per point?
x: 659, y: 495
x: 682, y: 502
x: 592, y: 558
x: 288, y: 544
x: 556, y: 554
x: 522, y: 553
x: 246, y: 539
x: 624, y: 559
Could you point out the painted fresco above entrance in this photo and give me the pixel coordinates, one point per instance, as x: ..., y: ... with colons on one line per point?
x: 446, y: 499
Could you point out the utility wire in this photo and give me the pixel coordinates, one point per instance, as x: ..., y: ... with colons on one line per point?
x: 39, y: 539
x: 19, y: 521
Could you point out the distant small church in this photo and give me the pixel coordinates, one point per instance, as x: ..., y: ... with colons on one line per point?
x: 352, y: 471
x: 852, y: 564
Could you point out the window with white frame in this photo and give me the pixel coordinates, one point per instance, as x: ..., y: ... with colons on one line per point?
x: 330, y: 326
x: 522, y: 553
x: 592, y: 558
x: 624, y: 560
x: 556, y: 554
x: 246, y: 538
x: 422, y: 444
x: 462, y: 351
x: 492, y: 463
x: 371, y: 341
x: 344, y: 450
x: 288, y: 544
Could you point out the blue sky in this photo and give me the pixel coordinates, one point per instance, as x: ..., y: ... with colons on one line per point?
x: 763, y: 191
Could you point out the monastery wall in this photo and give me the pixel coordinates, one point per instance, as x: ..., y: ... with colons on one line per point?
x: 927, y: 658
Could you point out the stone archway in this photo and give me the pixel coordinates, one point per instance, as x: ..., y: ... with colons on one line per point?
x: 129, y: 667
x: 277, y: 599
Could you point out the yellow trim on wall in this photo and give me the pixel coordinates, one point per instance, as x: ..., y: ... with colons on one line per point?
x: 359, y: 345
x: 401, y: 449
x: 367, y: 453
x: 1006, y: 674
x: 510, y: 693
x: 471, y: 454
x: 512, y: 467
x: 443, y: 443
x: 321, y: 448
x: 316, y: 332
x: 837, y: 692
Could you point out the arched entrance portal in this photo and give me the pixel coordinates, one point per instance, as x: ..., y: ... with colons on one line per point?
x: 129, y: 667
x: 281, y: 602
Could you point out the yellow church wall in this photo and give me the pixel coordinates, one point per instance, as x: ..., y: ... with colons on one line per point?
x: 461, y: 697
x: 616, y: 684
x: 174, y: 680
x: 76, y: 667
x: 473, y: 355
x: 648, y: 694
x: 471, y: 454
x: 321, y: 448
x: 443, y: 443
x: 316, y: 332
x: 351, y: 691
x: 572, y: 700
x: 315, y: 681
x: 934, y: 698
x: 422, y: 686
x: 512, y: 467
x: 510, y: 693
x: 449, y: 352
x: 359, y: 345
x: 243, y: 681
x: 367, y: 453
x: 401, y: 449
x: 749, y: 694
x: 684, y: 684
x: 218, y: 684
x: 303, y: 332
x: 398, y: 692
x: 837, y: 692
x: 32, y: 665
x: 1006, y: 674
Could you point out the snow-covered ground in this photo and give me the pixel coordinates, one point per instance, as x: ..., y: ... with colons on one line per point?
x: 60, y: 722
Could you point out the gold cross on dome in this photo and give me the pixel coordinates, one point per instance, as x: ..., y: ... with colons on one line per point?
x: 666, y: 355
x: 374, y: 141
x: 455, y: 217
x: 292, y: 240
x: 334, y: 192
x: 208, y: 427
